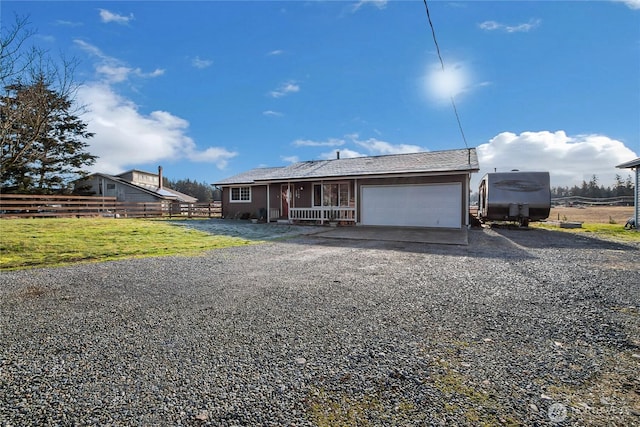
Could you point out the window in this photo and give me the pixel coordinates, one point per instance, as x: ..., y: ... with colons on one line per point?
x: 331, y: 194
x: 317, y: 195
x: 240, y: 194
x: 111, y: 186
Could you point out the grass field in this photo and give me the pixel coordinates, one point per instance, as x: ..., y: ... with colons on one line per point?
x: 592, y: 214
x: 26, y: 243
x: 48, y: 242
x: 605, y: 222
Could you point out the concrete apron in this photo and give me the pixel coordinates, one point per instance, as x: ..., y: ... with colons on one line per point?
x: 442, y: 236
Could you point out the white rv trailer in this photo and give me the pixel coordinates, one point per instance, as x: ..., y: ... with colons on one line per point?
x: 514, y: 196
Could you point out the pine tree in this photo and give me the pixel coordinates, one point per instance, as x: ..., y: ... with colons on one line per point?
x: 43, y: 142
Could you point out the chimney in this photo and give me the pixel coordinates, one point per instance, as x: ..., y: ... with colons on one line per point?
x: 338, y: 154
x: 160, y: 177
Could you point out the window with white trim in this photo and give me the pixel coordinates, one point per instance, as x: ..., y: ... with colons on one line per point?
x: 240, y: 194
x: 333, y: 194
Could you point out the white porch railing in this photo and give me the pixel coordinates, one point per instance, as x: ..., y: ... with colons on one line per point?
x: 323, y: 214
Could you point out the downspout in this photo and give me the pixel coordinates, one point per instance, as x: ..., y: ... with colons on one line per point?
x: 467, y: 201
x: 468, y: 198
x: 636, y: 198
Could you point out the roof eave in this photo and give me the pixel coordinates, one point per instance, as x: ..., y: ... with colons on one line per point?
x: 631, y: 164
x: 367, y: 175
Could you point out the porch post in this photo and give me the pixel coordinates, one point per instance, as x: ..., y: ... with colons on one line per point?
x: 356, y: 197
x: 321, y: 202
x: 289, y: 199
x: 268, y: 204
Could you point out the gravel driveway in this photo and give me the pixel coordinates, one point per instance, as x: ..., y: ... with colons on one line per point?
x: 518, y: 328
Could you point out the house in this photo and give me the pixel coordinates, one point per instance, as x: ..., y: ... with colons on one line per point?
x: 429, y: 189
x: 131, y: 186
x: 634, y: 164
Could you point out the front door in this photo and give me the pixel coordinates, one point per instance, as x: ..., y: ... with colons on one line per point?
x: 285, y: 198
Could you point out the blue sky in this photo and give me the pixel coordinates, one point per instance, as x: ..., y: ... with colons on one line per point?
x: 208, y: 89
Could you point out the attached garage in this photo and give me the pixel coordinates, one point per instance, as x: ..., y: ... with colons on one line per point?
x: 427, y: 205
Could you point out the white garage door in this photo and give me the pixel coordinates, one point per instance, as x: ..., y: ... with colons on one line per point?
x: 429, y: 205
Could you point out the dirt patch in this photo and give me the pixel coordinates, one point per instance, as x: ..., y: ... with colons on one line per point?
x: 592, y: 214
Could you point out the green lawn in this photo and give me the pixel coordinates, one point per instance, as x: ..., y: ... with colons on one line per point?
x: 605, y: 231
x: 26, y: 243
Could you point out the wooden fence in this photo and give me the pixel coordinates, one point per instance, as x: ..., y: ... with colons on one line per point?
x: 57, y: 206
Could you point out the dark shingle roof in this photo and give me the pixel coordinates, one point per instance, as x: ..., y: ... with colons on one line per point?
x: 249, y: 177
x: 464, y: 160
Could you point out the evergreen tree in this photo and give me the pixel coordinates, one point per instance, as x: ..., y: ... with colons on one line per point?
x: 43, y: 142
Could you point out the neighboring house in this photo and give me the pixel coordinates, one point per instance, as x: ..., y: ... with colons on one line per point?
x: 634, y: 164
x: 131, y: 186
x: 428, y: 189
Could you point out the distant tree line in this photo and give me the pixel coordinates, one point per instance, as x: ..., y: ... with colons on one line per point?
x: 205, y: 193
x: 593, y: 189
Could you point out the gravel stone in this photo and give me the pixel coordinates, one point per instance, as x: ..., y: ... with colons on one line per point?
x: 317, y: 331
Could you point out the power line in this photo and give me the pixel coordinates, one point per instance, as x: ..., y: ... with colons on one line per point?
x: 453, y: 103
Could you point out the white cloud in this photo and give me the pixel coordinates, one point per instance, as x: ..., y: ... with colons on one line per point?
x: 569, y: 159
x: 219, y: 156
x: 112, y: 69
x: 125, y: 137
x: 65, y: 23
x: 519, y: 28
x: 119, y: 73
x: 290, y: 159
x: 331, y: 142
x: 201, y: 63
x: 372, y: 147
x: 380, y: 4
x: 155, y: 73
x: 46, y: 38
x: 377, y: 147
x: 107, y: 16
x: 89, y: 48
x: 344, y: 154
x: 276, y: 52
x: 631, y: 4
x: 285, y: 89
x: 113, y: 73
x: 271, y: 113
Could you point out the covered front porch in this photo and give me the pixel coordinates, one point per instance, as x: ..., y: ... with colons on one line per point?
x: 313, y: 202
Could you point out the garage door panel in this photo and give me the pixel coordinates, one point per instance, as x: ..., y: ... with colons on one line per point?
x: 430, y: 205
